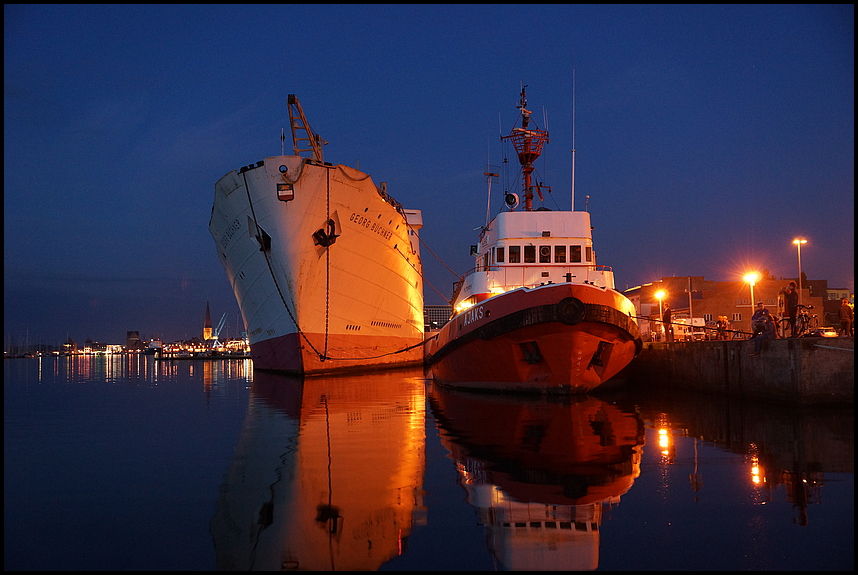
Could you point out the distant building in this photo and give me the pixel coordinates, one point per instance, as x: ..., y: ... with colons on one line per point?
x: 207, y: 326
x: 70, y: 346
x: 435, y: 316
x: 132, y: 341
x: 837, y: 294
x: 90, y: 346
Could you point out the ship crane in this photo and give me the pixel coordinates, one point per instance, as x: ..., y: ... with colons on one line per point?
x: 298, y: 123
x: 216, y: 333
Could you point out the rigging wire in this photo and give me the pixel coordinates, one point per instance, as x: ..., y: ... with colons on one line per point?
x: 420, y: 273
x: 433, y: 253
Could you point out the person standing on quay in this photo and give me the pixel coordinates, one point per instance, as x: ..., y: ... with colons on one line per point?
x: 791, y: 305
x: 847, y: 317
x: 722, y: 328
x: 665, y: 318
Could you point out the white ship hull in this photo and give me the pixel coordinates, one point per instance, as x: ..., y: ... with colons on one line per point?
x: 324, y: 265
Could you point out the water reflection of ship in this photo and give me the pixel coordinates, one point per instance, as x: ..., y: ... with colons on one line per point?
x: 540, y: 471
x: 327, y: 474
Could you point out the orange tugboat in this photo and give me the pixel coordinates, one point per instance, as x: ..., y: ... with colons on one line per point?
x: 536, y: 313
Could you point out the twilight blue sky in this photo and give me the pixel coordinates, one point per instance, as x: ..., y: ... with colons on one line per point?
x: 707, y: 138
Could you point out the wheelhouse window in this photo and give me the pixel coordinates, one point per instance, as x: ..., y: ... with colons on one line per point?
x: 589, y: 254
x: 560, y: 254
x: 530, y: 254
x: 545, y: 254
x: 499, y: 253
x: 574, y: 254
x: 514, y: 254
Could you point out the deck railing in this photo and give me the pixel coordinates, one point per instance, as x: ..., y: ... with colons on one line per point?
x: 514, y: 274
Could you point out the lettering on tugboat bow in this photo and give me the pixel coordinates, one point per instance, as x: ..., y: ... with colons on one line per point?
x: 472, y: 315
x: 370, y: 225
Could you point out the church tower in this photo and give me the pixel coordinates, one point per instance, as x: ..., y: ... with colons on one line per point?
x: 207, y: 328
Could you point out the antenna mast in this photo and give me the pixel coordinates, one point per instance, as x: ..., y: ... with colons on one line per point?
x: 491, y: 175
x: 573, y: 139
x: 528, y: 144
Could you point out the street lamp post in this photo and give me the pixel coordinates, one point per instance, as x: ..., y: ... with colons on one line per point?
x: 798, y: 242
x: 690, y: 315
x: 660, y: 296
x: 752, y: 278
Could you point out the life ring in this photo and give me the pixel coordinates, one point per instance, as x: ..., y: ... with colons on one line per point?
x: 570, y: 310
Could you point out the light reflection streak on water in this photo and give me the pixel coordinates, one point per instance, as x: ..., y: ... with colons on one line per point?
x: 114, y: 368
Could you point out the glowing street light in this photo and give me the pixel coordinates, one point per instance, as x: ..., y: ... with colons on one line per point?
x: 798, y: 242
x: 752, y: 278
x: 660, y: 296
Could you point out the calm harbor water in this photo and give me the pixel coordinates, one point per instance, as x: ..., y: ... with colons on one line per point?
x: 127, y: 463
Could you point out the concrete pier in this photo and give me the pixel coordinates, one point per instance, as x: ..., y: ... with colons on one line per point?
x: 808, y: 370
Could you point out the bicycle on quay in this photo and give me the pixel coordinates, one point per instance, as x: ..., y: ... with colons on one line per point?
x: 805, y: 323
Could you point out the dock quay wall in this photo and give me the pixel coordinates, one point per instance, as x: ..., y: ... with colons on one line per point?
x: 808, y: 370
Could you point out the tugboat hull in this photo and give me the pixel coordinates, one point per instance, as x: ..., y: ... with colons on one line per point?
x: 560, y: 338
